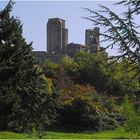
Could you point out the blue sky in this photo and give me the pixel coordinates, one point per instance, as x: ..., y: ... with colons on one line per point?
x: 34, y: 16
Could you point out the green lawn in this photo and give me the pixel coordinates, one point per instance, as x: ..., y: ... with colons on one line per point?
x: 116, y: 134
x: 11, y: 135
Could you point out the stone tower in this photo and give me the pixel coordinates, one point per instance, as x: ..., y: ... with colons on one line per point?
x: 57, y: 36
x: 92, y: 39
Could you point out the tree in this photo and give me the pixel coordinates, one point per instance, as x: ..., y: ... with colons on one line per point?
x: 121, y: 31
x: 135, y: 4
x: 93, y: 69
x: 23, y: 94
x: 84, y: 109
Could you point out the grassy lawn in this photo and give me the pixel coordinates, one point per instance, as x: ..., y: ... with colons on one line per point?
x: 11, y: 135
x: 115, y: 134
x: 118, y: 133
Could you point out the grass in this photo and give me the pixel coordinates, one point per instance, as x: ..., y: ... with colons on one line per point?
x: 114, y: 134
x: 12, y: 135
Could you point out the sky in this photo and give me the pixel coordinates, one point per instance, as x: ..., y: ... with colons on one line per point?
x: 35, y: 14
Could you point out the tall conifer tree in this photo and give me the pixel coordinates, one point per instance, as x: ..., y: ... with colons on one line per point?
x: 23, y: 96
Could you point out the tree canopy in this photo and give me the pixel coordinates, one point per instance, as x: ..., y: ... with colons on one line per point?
x: 24, y: 97
x: 121, y: 32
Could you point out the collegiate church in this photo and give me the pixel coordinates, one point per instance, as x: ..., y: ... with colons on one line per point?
x: 57, y: 42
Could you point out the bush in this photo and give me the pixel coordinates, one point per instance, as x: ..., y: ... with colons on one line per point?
x: 132, y: 118
x: 83, y: 109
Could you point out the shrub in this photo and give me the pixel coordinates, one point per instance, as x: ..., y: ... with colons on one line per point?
x: 83, y: 109
x: 132, y: 118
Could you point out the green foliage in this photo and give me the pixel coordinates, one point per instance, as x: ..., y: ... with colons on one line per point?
x: 83, y: 109
x: 28, y: 99
x: 50, y: 69
x: 118, y: 133
x: 113, y: 134
x: 112, y: 81
x: 25, y: 103
x: 69, y: 65
x: 132, y: 116
x: 135, y: 5
x: 58, y: 74
x: 122, y: 80
x: 12, y: 135
x: 87, y: 68
x: 121, y: 32
x: 96, y: 70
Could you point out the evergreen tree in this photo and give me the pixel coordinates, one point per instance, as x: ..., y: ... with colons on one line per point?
x: 23, y: 96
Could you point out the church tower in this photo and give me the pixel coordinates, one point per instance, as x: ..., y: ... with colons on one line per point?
x: 57, y: 36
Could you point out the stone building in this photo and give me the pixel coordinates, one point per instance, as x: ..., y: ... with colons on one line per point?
x: 57, y: 36
x: 92, y: 44
x: 42, y: 56
x: 57, y: 42
x: 57, y: 39
x: 72, y: 49
x: 92, y: 39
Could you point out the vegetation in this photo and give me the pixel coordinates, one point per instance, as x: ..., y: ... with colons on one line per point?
x: 83, y: 109
x: 84, y: 93
x: 120, y: 31
x: 12, y: 135
x: 132, y: 116
x: 24, y: 100
x: 94, y: 96
x: 114, y: 134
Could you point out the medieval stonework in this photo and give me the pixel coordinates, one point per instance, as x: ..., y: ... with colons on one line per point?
x: 57, y: 36
x: 73, y: 48
x: 57, y: 42
x: 92, y: 39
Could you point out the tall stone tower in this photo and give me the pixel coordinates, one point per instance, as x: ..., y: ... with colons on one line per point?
x: 92, y: 39
x: 57, y: 36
